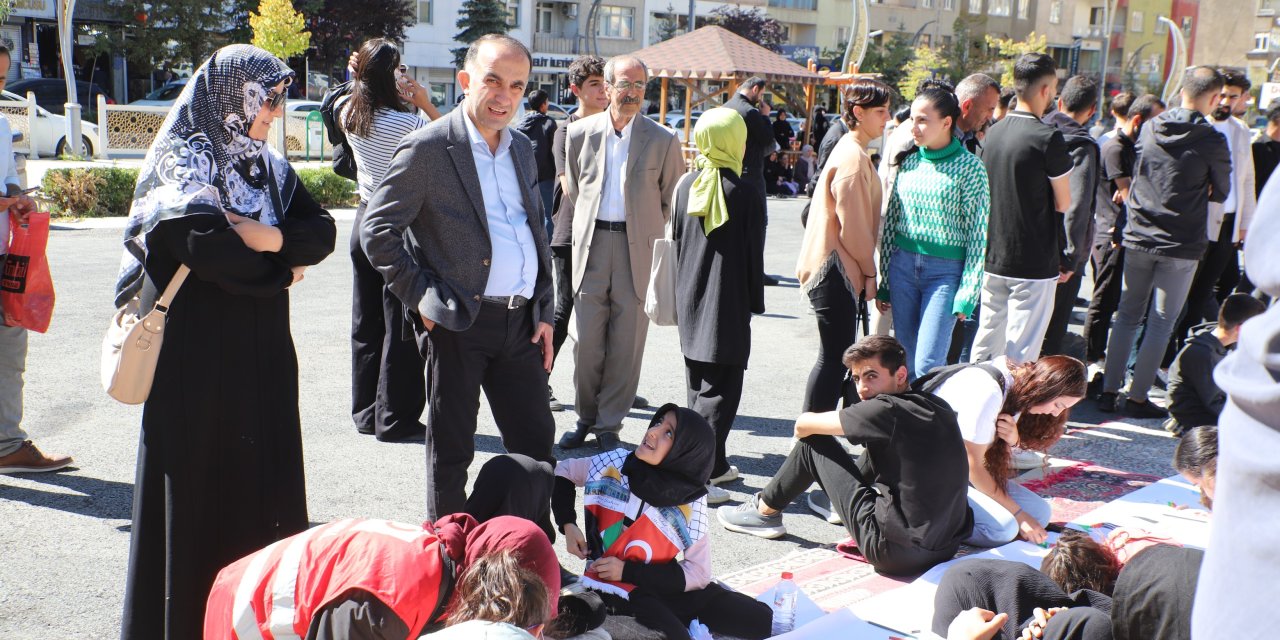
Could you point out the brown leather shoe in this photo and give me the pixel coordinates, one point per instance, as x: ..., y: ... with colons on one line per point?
x: 29, y: 459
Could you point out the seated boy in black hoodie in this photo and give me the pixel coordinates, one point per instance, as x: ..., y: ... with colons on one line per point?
x: 1194, y: 398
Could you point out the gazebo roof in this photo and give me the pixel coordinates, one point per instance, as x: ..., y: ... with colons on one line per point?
x: 715, y: 53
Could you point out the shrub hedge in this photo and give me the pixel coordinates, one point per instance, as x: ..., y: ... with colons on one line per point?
x: 95, y: 192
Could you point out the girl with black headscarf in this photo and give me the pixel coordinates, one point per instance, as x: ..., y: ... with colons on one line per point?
x: 220, y: 457
x: 643, y: 510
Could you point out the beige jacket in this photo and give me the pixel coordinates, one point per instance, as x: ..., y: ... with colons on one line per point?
x: 654, y: 165
x: 844, y: 217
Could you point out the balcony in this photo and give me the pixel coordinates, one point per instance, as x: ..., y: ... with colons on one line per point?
x: 552, y: 43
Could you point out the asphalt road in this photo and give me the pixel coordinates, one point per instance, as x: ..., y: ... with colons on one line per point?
x: 64, y: 537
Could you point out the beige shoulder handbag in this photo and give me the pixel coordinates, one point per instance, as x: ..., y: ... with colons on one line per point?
x: 660, y: 297
x: 132, y: 345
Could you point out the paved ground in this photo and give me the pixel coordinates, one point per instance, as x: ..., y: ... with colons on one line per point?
x: 64, y: 537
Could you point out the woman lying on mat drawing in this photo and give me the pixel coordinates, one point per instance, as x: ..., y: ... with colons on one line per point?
x: 644, y: 509
x: 1000, y: 405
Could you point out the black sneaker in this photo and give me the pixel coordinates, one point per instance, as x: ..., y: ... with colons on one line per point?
x: 552, y: 402
x: 1143, y: 410
x: 746, y: 518
x: 1107, y: 401
x: 1095, y: 385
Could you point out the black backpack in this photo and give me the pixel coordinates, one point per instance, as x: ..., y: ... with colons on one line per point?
x: 344, y: 161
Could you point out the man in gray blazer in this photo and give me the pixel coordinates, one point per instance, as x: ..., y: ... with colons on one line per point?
x: 620, y: 169
x: 456, y: 229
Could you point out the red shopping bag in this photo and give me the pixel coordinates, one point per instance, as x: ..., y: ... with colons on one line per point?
x: 26, y: 288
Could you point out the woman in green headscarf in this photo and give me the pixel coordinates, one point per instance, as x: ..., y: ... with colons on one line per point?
x: 719, y: 229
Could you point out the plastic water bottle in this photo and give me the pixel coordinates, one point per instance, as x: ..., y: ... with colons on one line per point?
x: 784, y: 605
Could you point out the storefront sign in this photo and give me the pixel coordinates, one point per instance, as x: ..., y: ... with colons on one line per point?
x: 34, y: 9
x: 547, y: 61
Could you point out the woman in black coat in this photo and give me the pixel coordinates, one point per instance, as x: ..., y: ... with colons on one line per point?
x: 718, y: 221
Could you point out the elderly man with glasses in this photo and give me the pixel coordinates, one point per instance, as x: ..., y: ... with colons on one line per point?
x: 620, y: 171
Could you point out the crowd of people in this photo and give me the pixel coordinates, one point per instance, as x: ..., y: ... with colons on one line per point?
x: 942, y: 262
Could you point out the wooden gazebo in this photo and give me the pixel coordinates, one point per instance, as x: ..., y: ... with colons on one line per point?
x: 715, y: 54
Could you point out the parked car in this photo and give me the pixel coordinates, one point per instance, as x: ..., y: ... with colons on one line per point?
x: 162, y: 96
x: 554, y: 111
x: 51, y: 93
x: 48, y: 132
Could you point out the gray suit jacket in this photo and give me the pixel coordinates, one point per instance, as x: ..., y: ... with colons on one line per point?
x: 654, y: 165
x: 426, y: 231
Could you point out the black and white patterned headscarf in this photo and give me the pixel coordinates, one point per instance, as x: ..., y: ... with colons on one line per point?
x: 203, y: 160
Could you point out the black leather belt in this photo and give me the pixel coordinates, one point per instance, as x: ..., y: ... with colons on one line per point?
x: 510, y: 302
x: 616, y: 227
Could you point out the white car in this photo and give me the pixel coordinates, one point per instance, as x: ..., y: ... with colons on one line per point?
x: 47, y: 135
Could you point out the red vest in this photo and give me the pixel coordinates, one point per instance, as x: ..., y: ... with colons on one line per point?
x: 273, y: 593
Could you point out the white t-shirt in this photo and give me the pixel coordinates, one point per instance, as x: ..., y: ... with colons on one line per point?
x: 976, y: 398
x: 9, y: 175
x: 373, y: 154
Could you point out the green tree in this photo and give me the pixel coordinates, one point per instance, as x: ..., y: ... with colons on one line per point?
x: 278, y: 29
x: 1007, y: 51
x: 478, y: 18
x: 157, y: 31
x: 888, y: 58
x: 926, y: 63
x: 752, y: 24
x: 969, y: 52
x: 339, y: 27
x: 667, y: 25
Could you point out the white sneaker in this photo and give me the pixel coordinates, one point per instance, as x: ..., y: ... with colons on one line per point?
x: 1024, y: 460
x: 820, y: 504
x: 728, y: 476
x: 716, y: 495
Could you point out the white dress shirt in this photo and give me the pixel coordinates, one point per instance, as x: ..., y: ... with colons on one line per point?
x: 616, y: 149
x: 514, y: 268
x: 9, y: 173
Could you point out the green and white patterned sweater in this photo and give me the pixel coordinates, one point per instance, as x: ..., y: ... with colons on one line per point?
x: 938, y: 206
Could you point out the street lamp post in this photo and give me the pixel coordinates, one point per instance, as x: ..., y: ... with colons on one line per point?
x: 1108, y: 23
x: 1177, y: 62
x: 858, y: 34
x: 66, y: 34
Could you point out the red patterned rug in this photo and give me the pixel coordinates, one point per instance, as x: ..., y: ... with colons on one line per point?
x: 835, y: 580
x: 1083, y: 486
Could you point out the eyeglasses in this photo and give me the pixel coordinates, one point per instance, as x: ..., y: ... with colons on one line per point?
x: 627, y: 86
x: 276, y: 98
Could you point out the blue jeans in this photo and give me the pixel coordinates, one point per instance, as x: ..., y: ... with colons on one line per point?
x: 548, y: 190
x: 922, y: 290
x: 993, y: 525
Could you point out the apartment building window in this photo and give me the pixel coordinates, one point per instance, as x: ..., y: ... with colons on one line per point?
x: 1186, y: 26
x: 1159, y: 28
x: 842, y: 36
x: 1262, y: 41
x: 615, y: 22
x: 513, y: 14
x: 1135, y: 21
x: 1000, y: 7
x: 948, y: 5
x: 424, y: 11
x: 543, y: 20
x: 1023, y: 6
x: 803, y: 5
x: 1055, y: 12
x: 1268, y: 7
x: 926, y: 4
x: 975, y: 6
x: 926, y: 40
